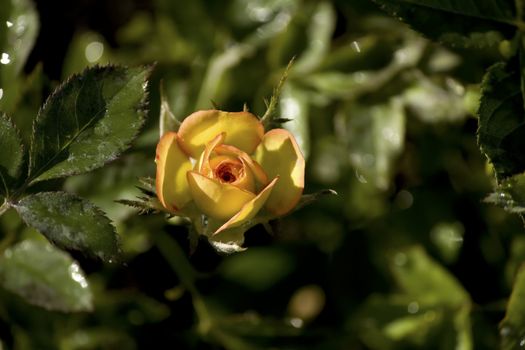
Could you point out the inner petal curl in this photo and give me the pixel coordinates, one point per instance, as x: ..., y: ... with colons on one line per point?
x: 229, y: 172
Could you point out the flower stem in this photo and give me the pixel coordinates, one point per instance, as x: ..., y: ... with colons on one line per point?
x: 4, y: 207
x: 178, y: 261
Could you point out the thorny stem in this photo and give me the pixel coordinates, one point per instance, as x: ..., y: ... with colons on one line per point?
x: 274, y: 100
x: 10, y: 236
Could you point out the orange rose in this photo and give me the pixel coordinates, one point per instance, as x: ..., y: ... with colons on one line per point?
x: 226, y: 165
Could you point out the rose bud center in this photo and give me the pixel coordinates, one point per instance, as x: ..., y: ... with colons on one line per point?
x: 229, y: 172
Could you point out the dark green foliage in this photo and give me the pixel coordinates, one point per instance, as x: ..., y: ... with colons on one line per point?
x: 87, y: 122
x: 512, y: 328
x: 502, y: 120
x: 12, y: 154
x: 70, y: 223
x: 468, y: 23
x: 408, y: 255
x: 45, y: 276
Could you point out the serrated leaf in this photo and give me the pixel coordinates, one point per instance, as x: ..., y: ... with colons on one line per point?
x: 512, y: 328
x: 70, y: 222
x: 468, y: 23
x: 88, y: 121
x: 501, y: 132
x: 45, y: 276
x: 143, y: 204
x: 12, y: 154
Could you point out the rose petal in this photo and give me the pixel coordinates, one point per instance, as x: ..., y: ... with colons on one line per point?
x: 217, y: 200
x: 250, y: 209
x: 172, y: 166
x: 256, y: 169
x: 279, y: 155
x: 243, y: 130
x: 204, y: 161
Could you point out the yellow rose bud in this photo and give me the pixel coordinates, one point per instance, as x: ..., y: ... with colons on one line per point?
x: 229, y: 168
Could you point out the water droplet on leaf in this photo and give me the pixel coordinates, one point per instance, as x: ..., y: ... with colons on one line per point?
x: 5, y: 59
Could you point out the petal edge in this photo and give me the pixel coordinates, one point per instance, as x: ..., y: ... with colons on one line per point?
x: 172, y: 165
x: 279, y: 155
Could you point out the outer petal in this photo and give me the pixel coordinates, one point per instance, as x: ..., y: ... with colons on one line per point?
x: 217, y: 200
x: 250, y: 209
x: 172, y: 166
x: 243, y: 130
x: 280, y: 156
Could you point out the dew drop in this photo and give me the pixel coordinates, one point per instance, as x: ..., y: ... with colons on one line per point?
x: 296, y: 322
x: 505, y: 331
x: 356, y: 47
x: 74, y: 271
x: 94, y: 51
x: 5, y: 59
x: 8, y: 24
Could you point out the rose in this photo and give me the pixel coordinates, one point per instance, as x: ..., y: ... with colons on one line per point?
x: 226, y: 165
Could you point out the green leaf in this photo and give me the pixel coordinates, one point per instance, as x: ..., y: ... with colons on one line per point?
x: 396, y: 319
x: 375, y: 137
x: 294, y: 104
x: 12, y: 154
x: 512, y: 328
x: 399, y: 322
x: 420, y: 277
x: 510, y: 194
x: 70, y: 222
x: 18, y: 31
x: 320, y: 30
x: 88, y: 121
x: 433, y: 102
x: 468, y: 23
x: 98, y: 338
x: 501, y: 132
x: 45, y: 276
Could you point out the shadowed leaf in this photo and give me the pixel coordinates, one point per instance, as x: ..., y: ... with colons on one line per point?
x: 12, y: 154
x: 45, y: 276
x: 70, y: 222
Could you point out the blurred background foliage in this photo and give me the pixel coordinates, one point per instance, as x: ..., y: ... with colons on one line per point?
x: 406, y: 256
